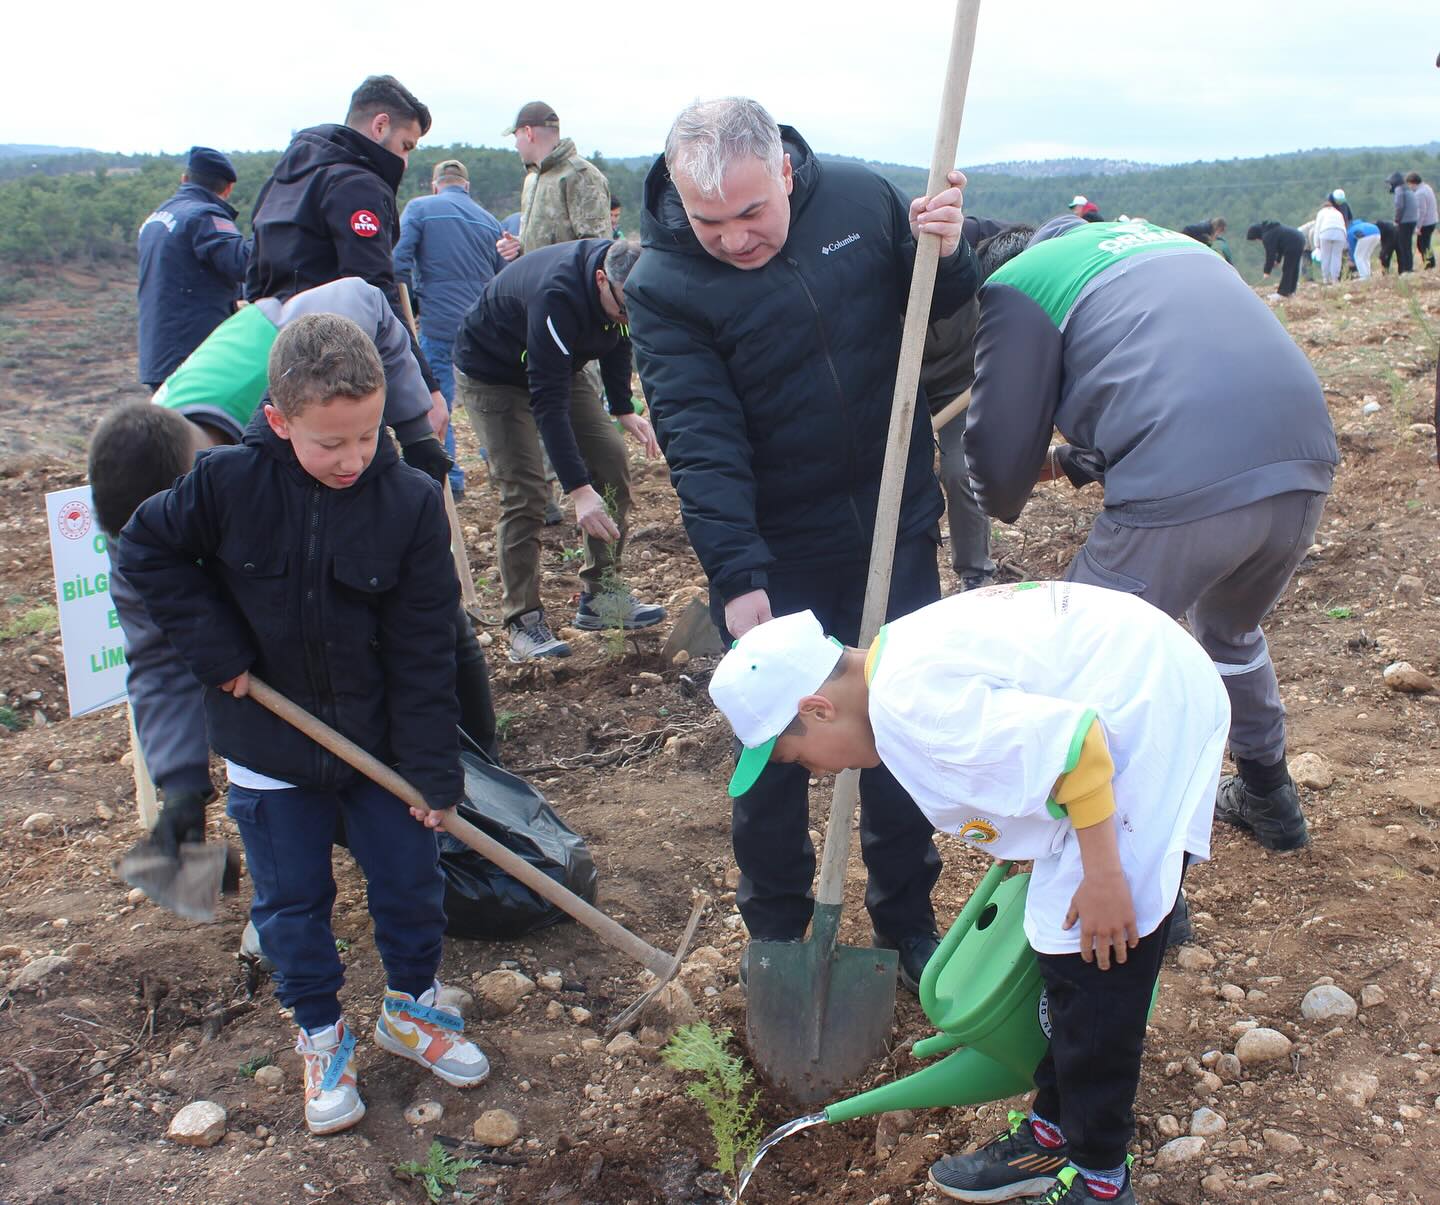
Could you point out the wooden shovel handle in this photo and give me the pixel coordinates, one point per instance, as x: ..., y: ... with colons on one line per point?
x: 902, y: 415
x: 543, y: 885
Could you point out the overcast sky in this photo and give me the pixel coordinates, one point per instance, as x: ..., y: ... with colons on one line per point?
x: 1130, y: 80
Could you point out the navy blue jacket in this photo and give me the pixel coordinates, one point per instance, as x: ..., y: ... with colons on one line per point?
x: 445, y: 256
x: 536, y: 325
x: 343, y: 600
x: 771, y: 388
x: 327, y: 211
x: 192, y: 263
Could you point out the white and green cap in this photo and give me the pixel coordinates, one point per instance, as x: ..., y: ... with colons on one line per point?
x: 759, y: 683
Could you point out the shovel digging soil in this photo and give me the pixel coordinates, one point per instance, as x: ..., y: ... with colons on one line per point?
x: 191, y: 886
x: 819, y: 1014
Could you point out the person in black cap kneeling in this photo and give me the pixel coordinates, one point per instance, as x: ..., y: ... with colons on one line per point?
x: 192, y: 264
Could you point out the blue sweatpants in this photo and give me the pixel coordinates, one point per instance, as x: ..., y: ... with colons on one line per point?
x: 440, y: 352
x: 288, y: 836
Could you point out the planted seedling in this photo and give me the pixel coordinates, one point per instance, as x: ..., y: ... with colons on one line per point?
x: 722, y: 1090
x: 439, y: 1175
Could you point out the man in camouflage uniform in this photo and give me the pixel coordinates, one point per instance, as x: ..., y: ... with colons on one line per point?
x: 564, y: 197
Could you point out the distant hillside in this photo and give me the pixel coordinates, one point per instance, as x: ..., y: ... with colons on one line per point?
x: 27, y: 150
x: 1040, y: 169
x: 75, y: 204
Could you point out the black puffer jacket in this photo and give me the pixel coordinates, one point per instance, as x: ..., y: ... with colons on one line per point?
x: 327, y: 211
x: 1278, y: 241
x: 771, y: 388
x: 343, y: 600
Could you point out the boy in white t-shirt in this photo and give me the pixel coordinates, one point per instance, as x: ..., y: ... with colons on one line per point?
x: 1078, y: 727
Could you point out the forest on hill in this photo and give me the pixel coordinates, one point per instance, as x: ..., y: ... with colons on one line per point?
x: 85, y: 206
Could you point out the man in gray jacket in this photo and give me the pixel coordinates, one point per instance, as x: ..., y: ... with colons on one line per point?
x: 1179, y: 392
x: 1407, y: 217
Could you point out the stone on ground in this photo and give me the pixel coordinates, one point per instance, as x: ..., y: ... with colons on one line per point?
x: 502, y: 991
x: 200, y: 1123
x: 33, y: 974
x: 1261, y: 1045
x: 1401, y: 675
x: 1311, y: 770
x: 1327, y: 1002
x: 1178, y: 1151
x: 496, y: 1127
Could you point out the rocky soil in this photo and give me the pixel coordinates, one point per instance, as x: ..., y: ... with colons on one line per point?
x: 1293, y: 1051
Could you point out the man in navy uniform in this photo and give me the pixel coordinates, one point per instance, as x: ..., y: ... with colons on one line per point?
x: 192, y: 263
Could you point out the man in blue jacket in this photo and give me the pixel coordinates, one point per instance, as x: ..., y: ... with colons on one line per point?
x: 445, y: 256
x: 192, y: 263
x: 767, y: 311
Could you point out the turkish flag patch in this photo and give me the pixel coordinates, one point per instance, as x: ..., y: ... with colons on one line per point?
x: 224, y: 226
x: 364, y: 223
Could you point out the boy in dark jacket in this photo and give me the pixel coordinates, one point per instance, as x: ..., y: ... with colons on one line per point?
x: 311, y: 554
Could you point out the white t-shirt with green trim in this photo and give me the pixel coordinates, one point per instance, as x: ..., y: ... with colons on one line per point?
x: 980, y: 702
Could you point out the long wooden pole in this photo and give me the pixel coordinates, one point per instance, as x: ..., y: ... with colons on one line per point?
x: 611, y: 932
x: 457, y: 538
x: 902, y: 415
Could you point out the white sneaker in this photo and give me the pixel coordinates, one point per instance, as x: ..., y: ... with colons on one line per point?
x: 332, y: 1097
x: 431, y: 1035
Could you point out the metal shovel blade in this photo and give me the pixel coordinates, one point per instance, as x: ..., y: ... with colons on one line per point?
x: 189, y: 885
x: 818, y: 1013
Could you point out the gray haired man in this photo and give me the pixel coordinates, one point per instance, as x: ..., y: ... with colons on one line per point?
x: 767, y: 313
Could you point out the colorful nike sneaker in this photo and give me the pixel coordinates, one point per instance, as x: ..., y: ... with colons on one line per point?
x: 1012, y: 1165
x: 431, y: 1035
x: 332, y: 1096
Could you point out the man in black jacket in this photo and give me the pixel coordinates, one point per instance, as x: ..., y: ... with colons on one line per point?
x: 766, y: 314
x: 329, y: 208
x: 519, y: 369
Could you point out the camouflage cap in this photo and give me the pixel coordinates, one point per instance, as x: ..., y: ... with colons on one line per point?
x: 536, y: 113
x: 452, y: 168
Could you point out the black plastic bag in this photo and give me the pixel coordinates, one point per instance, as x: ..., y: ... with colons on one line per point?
x: 481, y: 900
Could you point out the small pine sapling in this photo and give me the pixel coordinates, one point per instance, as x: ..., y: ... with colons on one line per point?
x: 723, y: 1091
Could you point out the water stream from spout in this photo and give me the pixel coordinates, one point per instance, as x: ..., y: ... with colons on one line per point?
x: 775, y: 1136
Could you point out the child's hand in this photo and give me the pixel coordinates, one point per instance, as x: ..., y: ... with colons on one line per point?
x: 239, y: 687
x: 1106, y: 913
x: 431, y: 817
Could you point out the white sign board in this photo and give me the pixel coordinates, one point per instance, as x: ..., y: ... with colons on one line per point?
x: 89, y: 628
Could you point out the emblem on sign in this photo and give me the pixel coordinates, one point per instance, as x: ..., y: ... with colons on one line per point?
x: 74, y: 521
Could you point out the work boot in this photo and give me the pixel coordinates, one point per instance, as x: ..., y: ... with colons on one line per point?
x: 631, y: 613
x: 531, y: 638
x: 431, y: 1035
x: 915, y: 952
x: 332, y: 1097
x: 1071, y: 1188
x: 554, y: 516
x: 975, y: 581
x: 1275, y: 819
x: 1011, y: 1165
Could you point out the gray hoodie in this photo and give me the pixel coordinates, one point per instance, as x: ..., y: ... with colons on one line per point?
x: 1171, y: 380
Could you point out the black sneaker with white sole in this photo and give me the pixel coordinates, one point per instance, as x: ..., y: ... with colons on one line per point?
x: 1009, y: 1167
x: 630, y: 614
x: 531, y: 639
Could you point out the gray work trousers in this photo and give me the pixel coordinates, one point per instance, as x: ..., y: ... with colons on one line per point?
x: 1223, y: 574
x: 969, y: 525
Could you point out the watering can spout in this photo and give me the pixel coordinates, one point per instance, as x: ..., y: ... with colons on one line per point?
x: 966, y: 1077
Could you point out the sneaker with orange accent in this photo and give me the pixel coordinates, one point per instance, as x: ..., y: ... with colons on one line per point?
x: 1014, y: 1165
x: 431, y: 1035
x: 332, y: 1097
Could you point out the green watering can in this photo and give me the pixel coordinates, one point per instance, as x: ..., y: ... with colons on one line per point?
x: 982, y: 990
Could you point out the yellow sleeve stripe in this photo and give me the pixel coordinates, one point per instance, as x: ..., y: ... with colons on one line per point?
x: 872, y: 658
x: 1086, y: 789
